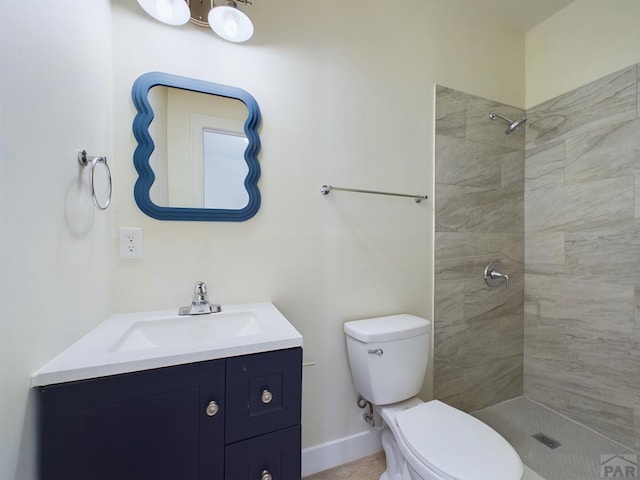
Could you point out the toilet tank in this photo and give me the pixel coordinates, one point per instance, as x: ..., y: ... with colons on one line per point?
x: 388, y: 356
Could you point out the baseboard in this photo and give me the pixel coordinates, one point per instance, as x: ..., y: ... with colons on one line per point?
x: 338, y: 452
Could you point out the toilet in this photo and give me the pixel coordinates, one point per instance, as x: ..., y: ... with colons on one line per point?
x: 422, y: 440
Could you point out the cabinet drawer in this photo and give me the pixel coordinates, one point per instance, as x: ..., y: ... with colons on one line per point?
x: 263, y: 393
x: 276, y: 454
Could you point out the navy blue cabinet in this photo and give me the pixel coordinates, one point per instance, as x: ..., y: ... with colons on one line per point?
x: 231, y: 419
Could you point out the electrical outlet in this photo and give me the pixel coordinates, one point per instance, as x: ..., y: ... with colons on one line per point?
x: 131, y: 242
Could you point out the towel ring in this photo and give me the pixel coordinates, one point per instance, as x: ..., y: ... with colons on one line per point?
x: 84, y: 160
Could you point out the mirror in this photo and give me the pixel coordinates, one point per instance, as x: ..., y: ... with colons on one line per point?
x: 197, y: 149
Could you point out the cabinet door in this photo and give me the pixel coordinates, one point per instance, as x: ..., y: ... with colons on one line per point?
x: 276, y: 454
x: 264, y: 393
x: 144, y: 425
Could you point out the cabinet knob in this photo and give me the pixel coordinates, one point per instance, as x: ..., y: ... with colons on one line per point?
x: 266, y: 475
x: 212, y: 408
x: 267, y: 396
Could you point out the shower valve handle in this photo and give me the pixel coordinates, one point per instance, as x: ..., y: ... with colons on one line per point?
x: 494, y: 275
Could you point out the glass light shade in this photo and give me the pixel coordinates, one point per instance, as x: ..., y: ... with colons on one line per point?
x: 230, y: 23
x: 171, y: 12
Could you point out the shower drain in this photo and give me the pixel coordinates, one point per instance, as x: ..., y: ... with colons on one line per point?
x: 546, y: 440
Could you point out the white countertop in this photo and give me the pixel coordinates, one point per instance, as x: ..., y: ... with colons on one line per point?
x: 111, y: 348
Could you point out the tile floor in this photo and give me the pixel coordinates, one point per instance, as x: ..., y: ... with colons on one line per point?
x: 579, y: 457
x: 582, y: 450
x: 367, y: 468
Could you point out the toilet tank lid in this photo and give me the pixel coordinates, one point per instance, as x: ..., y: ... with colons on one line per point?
x: 385, y: 329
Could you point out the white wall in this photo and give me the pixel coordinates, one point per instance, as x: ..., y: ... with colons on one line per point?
x: 55, y: 98
x: 346, y: 98
x: 585, y: 41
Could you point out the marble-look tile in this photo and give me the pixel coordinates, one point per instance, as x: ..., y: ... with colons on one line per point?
x: 448, y: 347
x: 448, y: 322
x: 604, y: 102
x: 482, y: 336
x: 580, y: 353
x: 583, y: 308
x: 582, y: 215
x: 544, y: 253
x: 482, y: 129
x: 448, y: 384
x: 479, y: 196
x: 468, y: 209
x: 513, y: 171
x: 636, y: 214
x: 467, y: 163
x: 465, y: 255
x: 636, y: 337
x: 602, y: 369
x: 601, y: 414
x: 604, y: 205
x: 544, y: 166
x: 637, y: 421
x: 451, y: 112
x: 612, y: 151
x: 484, y: 302
x: 611, y: 258
x: 449, y: 305
x: 493, y: 383
x: 448, y: 337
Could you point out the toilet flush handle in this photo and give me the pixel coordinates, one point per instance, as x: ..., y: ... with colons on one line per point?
x: 378, y: 351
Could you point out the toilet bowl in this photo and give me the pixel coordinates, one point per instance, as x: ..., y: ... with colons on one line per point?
x: 422, y: 440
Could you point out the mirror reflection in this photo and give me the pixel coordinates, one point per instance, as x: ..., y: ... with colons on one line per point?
x: 197, y: 152
x: 198, y: 160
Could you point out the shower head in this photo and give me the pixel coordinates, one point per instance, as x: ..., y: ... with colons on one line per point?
x: 513, y: 126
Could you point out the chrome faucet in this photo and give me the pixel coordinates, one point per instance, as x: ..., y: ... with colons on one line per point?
x: 200, y: 304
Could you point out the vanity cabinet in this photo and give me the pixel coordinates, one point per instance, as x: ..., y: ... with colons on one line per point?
x: 234, y: 419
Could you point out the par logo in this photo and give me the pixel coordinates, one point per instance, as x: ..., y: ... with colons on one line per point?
x: 619, y: 466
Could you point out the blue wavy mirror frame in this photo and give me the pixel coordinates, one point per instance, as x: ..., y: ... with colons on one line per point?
x: 142, y: 154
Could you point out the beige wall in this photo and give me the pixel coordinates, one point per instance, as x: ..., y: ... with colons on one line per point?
x: 55, y: 98
x: 585, y: 41
x: 345, y: 99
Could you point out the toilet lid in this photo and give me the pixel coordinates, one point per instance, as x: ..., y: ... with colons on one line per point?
x: 456, y: 444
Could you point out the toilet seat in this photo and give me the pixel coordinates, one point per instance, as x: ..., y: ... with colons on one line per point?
x: 455, y: 445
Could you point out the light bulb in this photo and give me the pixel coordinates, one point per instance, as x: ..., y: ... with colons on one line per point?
x: 171, y: 12
x: 230, y: 23
x: 163, y: 7
x: 230, y: 26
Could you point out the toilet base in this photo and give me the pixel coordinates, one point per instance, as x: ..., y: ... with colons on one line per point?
x: 397, y: 466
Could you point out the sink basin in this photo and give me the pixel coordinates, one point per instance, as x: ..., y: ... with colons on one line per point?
x: 188, y: 330
x: 139, y: 341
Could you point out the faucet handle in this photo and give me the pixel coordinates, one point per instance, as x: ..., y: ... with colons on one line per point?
x: 494, y: 274
x: 200, y: 303
x: 200, y: 288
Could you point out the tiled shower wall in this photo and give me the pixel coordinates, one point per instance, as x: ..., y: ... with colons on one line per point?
x: 582, y: 256
x: 479, y: 215
x: 581, y: 217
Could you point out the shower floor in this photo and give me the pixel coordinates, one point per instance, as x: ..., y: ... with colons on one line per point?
x: 583, y: 454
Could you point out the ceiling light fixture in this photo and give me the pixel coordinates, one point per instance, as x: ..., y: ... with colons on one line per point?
x: 171, y: 12
x: 230, y: 23
x: 226, y: 20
